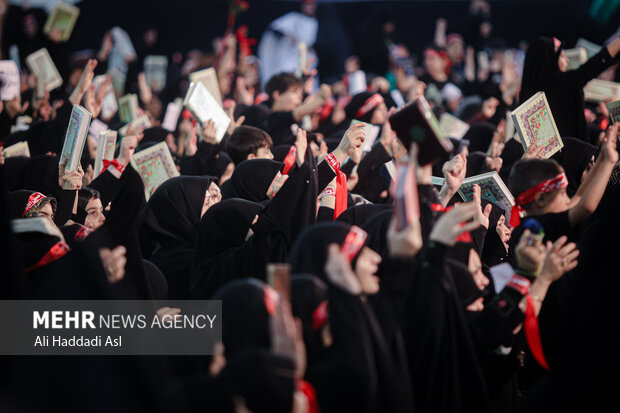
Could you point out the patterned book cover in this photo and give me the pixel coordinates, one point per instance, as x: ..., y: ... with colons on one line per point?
x: 42, y: 66
x: 492, y: 189
x: 75, y: 138
x: 17, y: 149
x: 208, y: 78
x: 598, y: 90
x: 534, y: 123
x: 614, y: 111
x: 204, y: 106
x: 155, y: 70
x: 106, y: 145
x: 576, y: 57
x: 63, y: 18
x: 452, y: 126
x: 155, y: 166
x: 128, y: 107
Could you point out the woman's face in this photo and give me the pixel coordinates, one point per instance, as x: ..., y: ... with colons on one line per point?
x: 475, y: 268
x: 379, y: 116
x: 434, y: 64
x: 563, y: 62
x: 212, y: 197
x: 503, y: 230
x: 94, y: 214
x: 47, y: 212
x: 365, y: 268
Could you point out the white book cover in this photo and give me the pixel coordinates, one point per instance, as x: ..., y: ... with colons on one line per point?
x: 357, y: 82
x: 9, y: 80
x: 96, y: 127
x: 106, y: 145
x: 204, y: 106
x: 17, y: 149
x: 75, y: 138
x: 173, y: 112
x: 42, y: 66
x: 208, y: 77
x: 452, y: 126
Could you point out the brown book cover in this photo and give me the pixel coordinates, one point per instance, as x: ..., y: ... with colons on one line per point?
x: 416, y: 122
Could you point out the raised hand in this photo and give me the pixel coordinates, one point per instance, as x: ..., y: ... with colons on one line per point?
x: 84, y: 83
x: 481, y: 216
x: 128, y: 148
x: 353, y: 138
x: 234, y: 124
x: 301, y: 145
x: 560, y: 258
x: 609, y: 150
x: 454, y: 222
x: 405, y: 243
x: 209, y: 132
x: 534, y: 152
x: 114, y: 263
x: 454, y: 171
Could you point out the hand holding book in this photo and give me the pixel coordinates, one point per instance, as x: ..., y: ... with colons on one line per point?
x: 70, y: 180
x: 84, y: 83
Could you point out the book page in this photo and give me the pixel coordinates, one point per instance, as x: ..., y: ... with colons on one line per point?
x: 205, y: 107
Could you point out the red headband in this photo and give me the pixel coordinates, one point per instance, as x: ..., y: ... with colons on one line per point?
x: 320, y: 316
x: 369, y: 105
x: 550, y: 185
x: 353, y: 242
x: 57, y: 251
x: 32, y: 201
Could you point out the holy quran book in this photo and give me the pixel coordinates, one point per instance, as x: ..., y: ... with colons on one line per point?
x: 128, y: 107
x: 404, y: 191
x: 155, y: 165
x: 36, y: 224
x: 17, y: 149
x: 75, y: 139
x: 371, y: 133
x: 598, y: 90
x: 391, y: 169
x: 535, y: 125
x: 204, y: 106
x: 171, y: 118
x: 437, y: 181
x: 452, y: 126
x: 416, y: 122
x: 155, y: 71
x: 279, y: 278
x: 141, y: 122
x: 63, y: 18
x: 357, y: 82
x: 109, y: 105
x: 122, y: 42
x: 106, y: 145
x: 492, y: 189
x: 96, y: 127
x: 591, y: 48
x: 302, y: 51
x: 208, y: 77
x: 576, y: 57
x: 41, y: 65
x: 9, y: 80
x: 614, y: 111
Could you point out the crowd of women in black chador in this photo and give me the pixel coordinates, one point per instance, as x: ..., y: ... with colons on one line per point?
x: 377, y: 319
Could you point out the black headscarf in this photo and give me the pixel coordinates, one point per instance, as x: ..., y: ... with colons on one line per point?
x: 360, y: 214
x: 18, y: 202
x: 308, y: 292
x: 541, y: 62
x: 155, y: 134
x: 574, y: 158
x: 309, y: 253
x: 493, y: 252
x: 479, y: 136
x: 466, y: 287
x: 356, y: 103
x: 247, y: 315
x: 251, y: 180
x: 170, y: 219
x: 225, y: 225
x: 476, y: 164
x: 173, y: 212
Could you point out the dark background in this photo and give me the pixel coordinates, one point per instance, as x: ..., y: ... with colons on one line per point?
x: 187, y: 24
